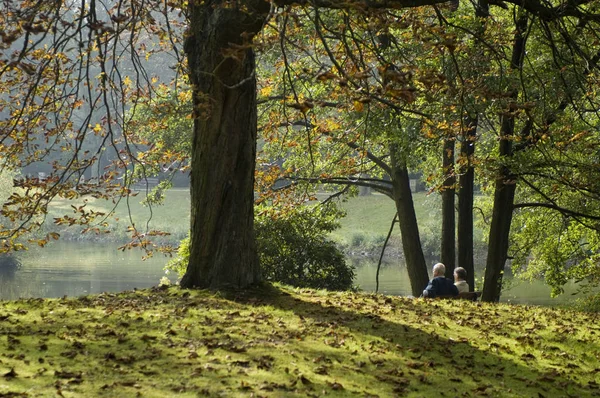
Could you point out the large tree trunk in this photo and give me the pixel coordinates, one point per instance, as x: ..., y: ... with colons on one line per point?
x: 505, y: 186
x: 223, y: 250
x: 448, y: 245
x: 465, y: 202
x: 409, y: 229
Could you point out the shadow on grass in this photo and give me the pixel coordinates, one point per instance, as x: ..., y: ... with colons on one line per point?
x: 412, y: 360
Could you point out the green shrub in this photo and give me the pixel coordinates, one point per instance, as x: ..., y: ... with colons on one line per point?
x: 293, y: 248
x: 180, y: 262
x: 589, y: 304
x: 358, y: 240
x: 378, y: 240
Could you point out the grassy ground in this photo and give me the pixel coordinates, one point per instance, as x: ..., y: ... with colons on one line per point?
x: 293, y: 343
x: 369, y: 218
x: 368, y: 221
x: 366, y: 224
x: 173, y: 216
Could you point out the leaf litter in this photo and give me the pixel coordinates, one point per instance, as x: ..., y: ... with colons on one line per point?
x: 278, y: 341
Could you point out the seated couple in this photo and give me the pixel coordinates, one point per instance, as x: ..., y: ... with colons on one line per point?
x: 442, y: 286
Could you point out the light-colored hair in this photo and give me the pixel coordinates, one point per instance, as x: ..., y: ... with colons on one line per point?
x: 461, y: 273
x: 439, y: 269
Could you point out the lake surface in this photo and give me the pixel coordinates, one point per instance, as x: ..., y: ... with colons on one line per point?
x: 393, y: 279
x: 75, y: 269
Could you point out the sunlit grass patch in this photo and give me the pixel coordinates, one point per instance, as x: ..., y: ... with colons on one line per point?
x: 172, y: 216
x: 279, y: 341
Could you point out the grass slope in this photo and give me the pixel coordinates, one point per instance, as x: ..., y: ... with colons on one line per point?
x: 294, y: 343
x: 369, y: 217
x: 172, y: 217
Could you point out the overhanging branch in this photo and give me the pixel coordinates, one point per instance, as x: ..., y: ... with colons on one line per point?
x: 379, y: 185
x: 560, y: 209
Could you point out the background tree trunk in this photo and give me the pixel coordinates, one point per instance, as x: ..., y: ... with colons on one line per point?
x: 448, y: 244
x: 506, y: 183
x: 504, y: 196
x: 409, y: 229
x: 465, y: 203
x: 223, y: 250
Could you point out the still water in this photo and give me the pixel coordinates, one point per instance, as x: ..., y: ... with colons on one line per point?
x: 393, y: 279
x: 75, y: 269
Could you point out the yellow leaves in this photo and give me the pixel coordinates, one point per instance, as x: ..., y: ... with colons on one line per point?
x: 97, y: 128
x: 331, y: 125
x: 266, y: 91
x: 325, y: 76
x: 44, y: 241
x: 579, y: 136
x: 407, y: 95
x: 443, y: 125
x: 127, y: 81
x: 358, y: 106
x: 185, y: 96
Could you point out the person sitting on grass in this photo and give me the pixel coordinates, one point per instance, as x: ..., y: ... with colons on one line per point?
x: 460, y: 280
x: 440, y: 285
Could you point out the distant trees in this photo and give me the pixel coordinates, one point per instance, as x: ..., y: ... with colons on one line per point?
x: 69, y: 71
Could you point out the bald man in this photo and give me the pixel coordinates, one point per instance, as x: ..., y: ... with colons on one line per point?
x: 440, y: 285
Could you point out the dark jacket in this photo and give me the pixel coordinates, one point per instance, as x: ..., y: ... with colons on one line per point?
x: 440, y: 286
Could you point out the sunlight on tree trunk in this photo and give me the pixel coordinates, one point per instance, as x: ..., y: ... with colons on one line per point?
x: 448, y: 247
x: 505, y: 186
x: 409, y: 228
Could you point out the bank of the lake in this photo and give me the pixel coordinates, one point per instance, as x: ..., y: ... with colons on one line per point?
x: 80, y: 268
x: 295, y: 343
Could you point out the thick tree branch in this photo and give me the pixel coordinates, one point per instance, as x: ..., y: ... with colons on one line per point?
x: 560, y: 209
x: 382, y: 186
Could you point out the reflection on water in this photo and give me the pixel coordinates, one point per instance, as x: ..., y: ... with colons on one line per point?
x: 393, y: 279
x: 74, y: 269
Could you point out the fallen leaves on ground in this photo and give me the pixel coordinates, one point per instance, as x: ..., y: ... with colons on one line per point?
x: 280, y: 341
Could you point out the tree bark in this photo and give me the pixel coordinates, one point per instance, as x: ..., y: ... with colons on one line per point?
x: 465, y: 202
x: 223, y: 250
x: 448, y: 244
x: 504, y: 196
x: 409, y: 229
x: 505, y: 186
x: 466, y: 181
